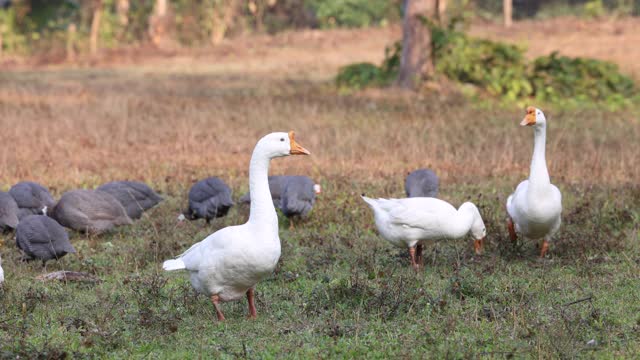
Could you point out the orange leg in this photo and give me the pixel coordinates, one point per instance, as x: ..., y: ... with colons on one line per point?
x: 419, y: 259
x: 478, y: 245
x: 544, y: 249
x: 512, y: 230
x: 215, y: 299
x: 412, y: 254
x: 252, y: 305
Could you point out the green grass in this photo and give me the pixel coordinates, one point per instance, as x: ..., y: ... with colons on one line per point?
x: 341, y: 291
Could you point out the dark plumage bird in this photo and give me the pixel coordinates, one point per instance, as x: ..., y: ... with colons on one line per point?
x: 208, y: 199
x: 8, y: 212
x: 42, y: 238
x: 298, y: 196
x: 89, y: 211
x: 422, y: 183
x: 135, y: 197
x: 276, y: 186
x: 32, y: 198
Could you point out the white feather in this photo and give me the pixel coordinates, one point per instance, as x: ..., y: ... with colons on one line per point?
x: 173, y: 264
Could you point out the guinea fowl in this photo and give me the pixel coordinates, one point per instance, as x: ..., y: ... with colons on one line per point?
x: 230, y: 262
x: 32, y: 198
x: 89, y: 211
x: 209, y: 198
x: 298, y: 197
x: 42, y: 238
x: 134, y: 196
x: 421, y: 183
x: 8, y: 212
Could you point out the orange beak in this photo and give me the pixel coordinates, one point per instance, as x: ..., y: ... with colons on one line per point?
x: 478, y: 245
x: 296, y: 149
x: 530, y: 118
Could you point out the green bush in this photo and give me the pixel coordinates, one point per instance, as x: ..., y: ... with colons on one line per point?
x: 502, y: 70
x: 557, y: 77
x: 498, y: 67
x: 354, y: 13
x: 361, y: 75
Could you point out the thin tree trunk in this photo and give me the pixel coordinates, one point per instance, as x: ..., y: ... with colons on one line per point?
x: 158, y: 23
x: 122, y: 9
x: 95, y: 28
x: 507, y: 10
x: 221, y: 19
x: 71, y: 42
x: 442, y: 9
x: 417, y: 56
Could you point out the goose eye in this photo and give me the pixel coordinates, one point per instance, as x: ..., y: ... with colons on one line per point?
x: 281, y: 139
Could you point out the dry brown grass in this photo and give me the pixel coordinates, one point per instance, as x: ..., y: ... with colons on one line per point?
x: 171, y: 120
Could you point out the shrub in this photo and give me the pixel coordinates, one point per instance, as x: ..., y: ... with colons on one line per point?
x: 361, y: 75
x: 557, y: 77
x: 354, y: 13
x: 502, y: 70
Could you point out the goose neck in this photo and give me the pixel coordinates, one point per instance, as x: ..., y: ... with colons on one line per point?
x: 262, y: 210
x: 539, y: 174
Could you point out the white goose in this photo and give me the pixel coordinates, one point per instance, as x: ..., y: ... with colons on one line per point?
x: 408, y: 222
x: 1, y: 273
x: 534, y: 208
x: 230, y: 262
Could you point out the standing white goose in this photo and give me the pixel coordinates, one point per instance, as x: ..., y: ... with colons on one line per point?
x: 535, y: 207
x: 408, y: 222
x: 230, y: 262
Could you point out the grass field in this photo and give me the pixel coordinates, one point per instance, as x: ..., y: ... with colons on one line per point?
x: 339, y: 289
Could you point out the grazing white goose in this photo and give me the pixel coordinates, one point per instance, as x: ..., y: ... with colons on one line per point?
x: 1, y: 273
x: 230, y: 262
x: 535, y: 207
x: 408, y: 222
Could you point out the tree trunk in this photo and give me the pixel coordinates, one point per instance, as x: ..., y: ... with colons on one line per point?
x: 507, y: 11
x: 95, y: 28
x: 122, y: 8
x: 221, y: 18
x: 442, y: 9
x: 158, y: 23
x: 417, y: 55
x: 71, y: 42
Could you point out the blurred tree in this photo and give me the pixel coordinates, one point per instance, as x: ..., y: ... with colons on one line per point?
x: 417, y: 55
x: 507, y: 11
x: 95, y: 27
x: 221, y: 18
x: 158, y: 23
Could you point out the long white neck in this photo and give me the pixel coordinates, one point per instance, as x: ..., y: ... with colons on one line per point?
x: 262, y: 210
x: 539, y: 175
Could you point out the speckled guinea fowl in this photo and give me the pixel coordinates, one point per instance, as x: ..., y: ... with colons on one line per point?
x: 134, y: 196
x: 42, y: 238
x: 32, y: 198
x: 421, y: 183
x: 89, y: 211
x: 208, y: 199
x: 298, y: 197
x: 8, y: 212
